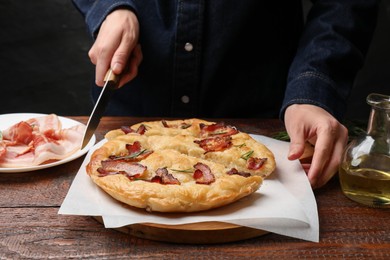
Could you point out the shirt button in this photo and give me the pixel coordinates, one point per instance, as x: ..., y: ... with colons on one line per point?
x: 188, y: 47
x: 185, y: 99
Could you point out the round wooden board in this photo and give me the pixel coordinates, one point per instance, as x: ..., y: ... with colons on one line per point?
x: 195, y: 233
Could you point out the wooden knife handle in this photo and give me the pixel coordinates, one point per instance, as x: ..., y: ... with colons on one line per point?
x: 111, y: 76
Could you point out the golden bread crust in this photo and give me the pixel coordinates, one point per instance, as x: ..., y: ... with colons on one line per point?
x: 174, y: 149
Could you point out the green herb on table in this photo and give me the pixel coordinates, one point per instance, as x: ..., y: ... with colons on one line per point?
x: 355, y: 129
x: 282, y: 136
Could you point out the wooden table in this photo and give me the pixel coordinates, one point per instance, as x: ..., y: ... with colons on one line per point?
x: 31, y: 228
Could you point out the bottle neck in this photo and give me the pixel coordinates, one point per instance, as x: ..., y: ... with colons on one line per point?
x: 379, y: 123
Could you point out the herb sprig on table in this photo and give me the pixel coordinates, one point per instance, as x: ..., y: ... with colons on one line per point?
x: 355, y: 128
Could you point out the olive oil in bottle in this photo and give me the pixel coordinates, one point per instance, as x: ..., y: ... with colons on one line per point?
x: 364, y: 172
x: 369, y: 183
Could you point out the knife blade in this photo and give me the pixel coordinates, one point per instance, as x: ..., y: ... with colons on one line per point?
x: 111, y: 84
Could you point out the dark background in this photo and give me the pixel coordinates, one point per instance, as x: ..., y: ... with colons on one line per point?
x: 44, y: 66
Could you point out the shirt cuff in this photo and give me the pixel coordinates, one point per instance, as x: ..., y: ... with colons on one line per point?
x: 316, y: 89
x: 99, y: 12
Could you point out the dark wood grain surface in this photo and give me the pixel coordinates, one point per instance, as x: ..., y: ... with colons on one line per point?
x: 31, y: 228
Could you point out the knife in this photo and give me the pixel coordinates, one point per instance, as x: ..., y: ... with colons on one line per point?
x: 111, y: 84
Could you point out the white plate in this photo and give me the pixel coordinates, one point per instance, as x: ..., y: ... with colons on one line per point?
x: 8, y: 120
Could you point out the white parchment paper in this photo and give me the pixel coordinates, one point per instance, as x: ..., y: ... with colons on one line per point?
x: 284, y: 204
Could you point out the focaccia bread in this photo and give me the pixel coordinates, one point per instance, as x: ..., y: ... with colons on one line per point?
x: 180, y: 165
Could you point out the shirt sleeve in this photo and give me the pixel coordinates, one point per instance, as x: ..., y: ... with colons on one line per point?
x: 334, y: 42
x: 96, y: 11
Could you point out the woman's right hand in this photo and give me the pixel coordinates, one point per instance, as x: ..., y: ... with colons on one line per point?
x: 117, y: 47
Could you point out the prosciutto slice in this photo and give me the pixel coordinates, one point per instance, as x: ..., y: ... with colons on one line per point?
x: 37, y: 141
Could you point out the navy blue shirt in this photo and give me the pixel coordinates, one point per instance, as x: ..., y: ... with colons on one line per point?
x: 240, y: 58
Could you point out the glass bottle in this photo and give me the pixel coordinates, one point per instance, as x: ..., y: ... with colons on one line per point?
x: 364, y: 171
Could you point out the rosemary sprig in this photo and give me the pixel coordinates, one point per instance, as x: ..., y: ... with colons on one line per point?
x: 240, y: 145
x: 189, y: 170
x: 185, y: 126
x: 218, y: 133
x: 130, y: 156
x: 247, y: 155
